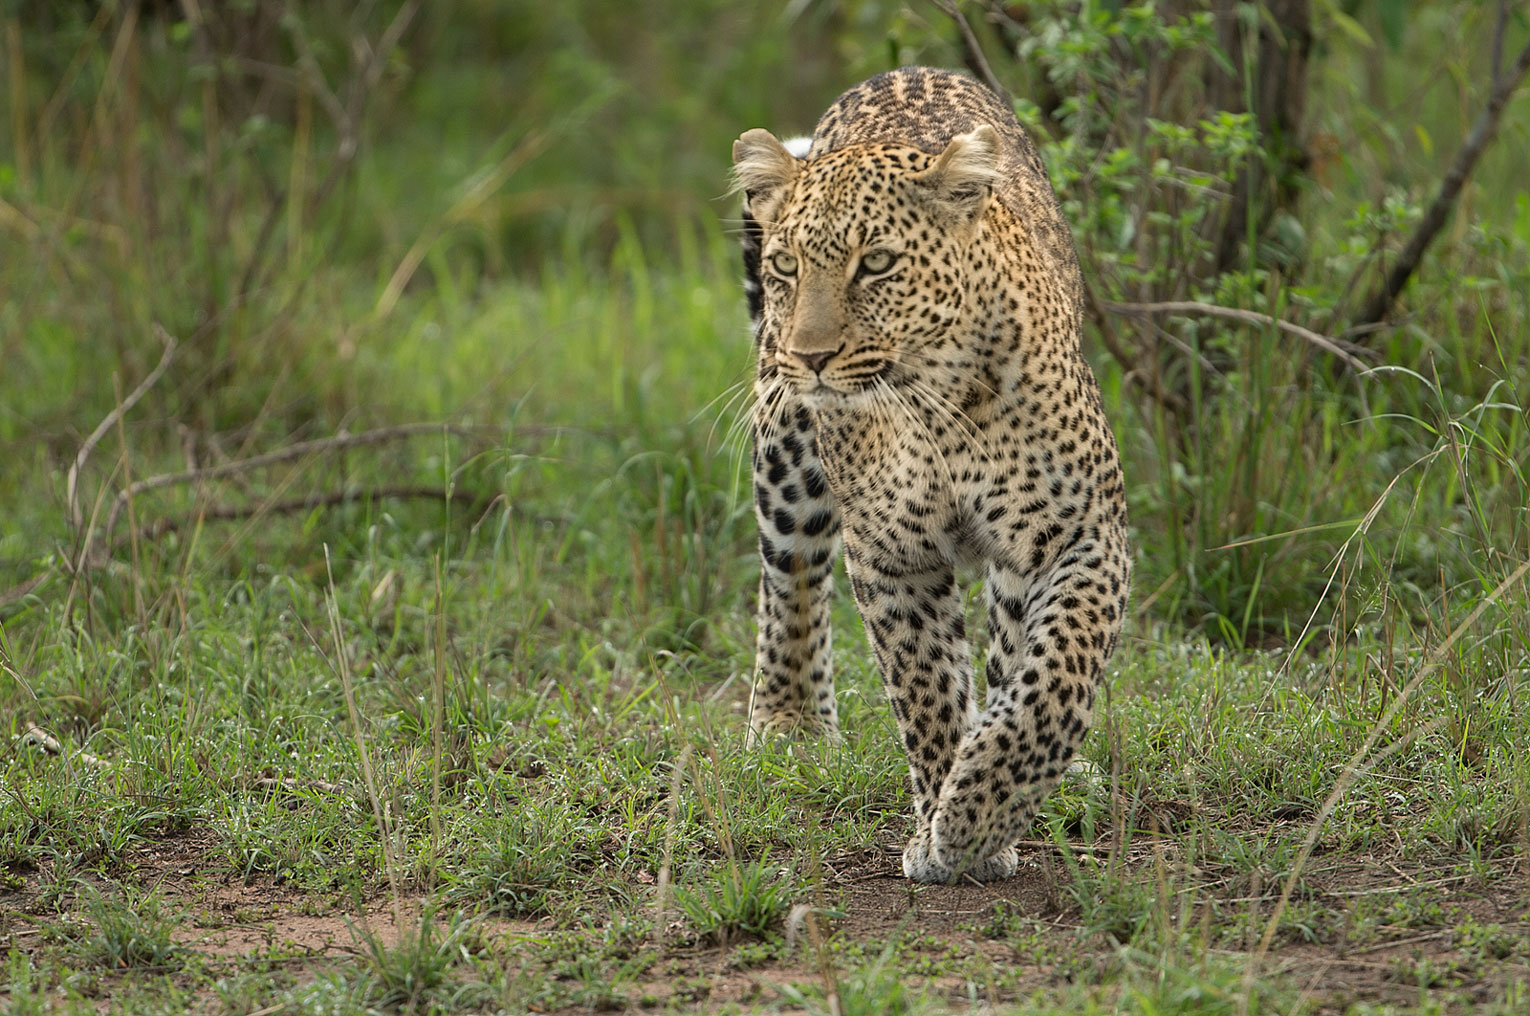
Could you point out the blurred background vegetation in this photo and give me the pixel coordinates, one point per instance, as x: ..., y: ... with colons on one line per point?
x: 513, y: 217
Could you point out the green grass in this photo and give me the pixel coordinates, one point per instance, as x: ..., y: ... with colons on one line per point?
x: 128, y: 933
x: 414, y: 752
x: 745, y: 899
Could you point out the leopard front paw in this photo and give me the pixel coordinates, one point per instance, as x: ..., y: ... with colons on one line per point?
x: 922, y: 864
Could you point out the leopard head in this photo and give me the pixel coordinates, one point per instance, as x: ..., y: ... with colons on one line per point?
x: 864, y: 256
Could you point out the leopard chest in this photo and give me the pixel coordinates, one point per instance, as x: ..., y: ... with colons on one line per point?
x: 919, y: 490
x: 903, y: 485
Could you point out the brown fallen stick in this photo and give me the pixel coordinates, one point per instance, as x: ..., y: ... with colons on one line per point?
x: 303, y: 449
x: 226, y: 513
x: 36, y: 736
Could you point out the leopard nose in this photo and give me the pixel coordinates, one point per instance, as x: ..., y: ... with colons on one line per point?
x: 815, y: 361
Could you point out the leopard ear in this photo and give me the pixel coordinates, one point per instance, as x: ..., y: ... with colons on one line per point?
x: 762, y: 167
x: 959, y: 182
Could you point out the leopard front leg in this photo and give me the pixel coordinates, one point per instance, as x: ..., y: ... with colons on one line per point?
x: 799, y: 538
x: 1051, y: 637
x: 917, y: 633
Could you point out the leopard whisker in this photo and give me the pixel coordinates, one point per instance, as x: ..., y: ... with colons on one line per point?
x: 762, y: 416
x: 938, y: 402
x: 897, y: 357
x: 737, y: 396
x: 730, y: 392
x: 960, y: 421
x: 914, y: 418
x: 775, y: 406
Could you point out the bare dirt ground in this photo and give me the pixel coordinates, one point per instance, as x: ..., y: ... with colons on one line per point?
x: 1388, y: 933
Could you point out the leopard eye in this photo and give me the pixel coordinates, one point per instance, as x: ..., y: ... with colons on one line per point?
x: 784, y: 263
x: 876, y: 262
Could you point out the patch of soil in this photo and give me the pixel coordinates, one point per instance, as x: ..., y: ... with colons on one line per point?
x: 866, y: 900
x: 1455, y: 938
x: 880, y: 902
x: 227, y: 916
x: 1380, y: 930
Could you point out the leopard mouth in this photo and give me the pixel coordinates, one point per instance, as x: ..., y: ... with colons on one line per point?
x: 842, y: 392
x: 849, y: 382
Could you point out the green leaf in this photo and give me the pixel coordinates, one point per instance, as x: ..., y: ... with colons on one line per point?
x: 1394, y: 17
x: 1348, y: 25
x: 1424, y: 141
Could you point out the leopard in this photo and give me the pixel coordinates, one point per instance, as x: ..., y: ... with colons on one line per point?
x: 921, y: 399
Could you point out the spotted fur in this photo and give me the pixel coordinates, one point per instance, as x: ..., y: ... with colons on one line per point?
x: 920, y: 393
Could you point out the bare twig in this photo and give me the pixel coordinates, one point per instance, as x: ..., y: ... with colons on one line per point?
x: 1348, y: 352
x: 1483, y: 132
x: 40, y: 738
x: 974, y: 53
x: 224, y: 513
x: 303, y: 449
x: 1135, y: 373
x: 346, y: 116
x: 71, y: 484
x: 17, y: 593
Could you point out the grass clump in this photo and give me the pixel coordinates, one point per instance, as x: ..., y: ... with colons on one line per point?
x: 27, y: 989
x: 532, y: 861
x: 130, y: 932
x: 748, y: 899
x: 416, y: 972
x: 875, y: 989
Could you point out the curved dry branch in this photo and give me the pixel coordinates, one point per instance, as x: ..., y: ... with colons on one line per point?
x: 227, y: 513
x: 1348, y: 352
x: 301, y: 450
x: 71, y: 484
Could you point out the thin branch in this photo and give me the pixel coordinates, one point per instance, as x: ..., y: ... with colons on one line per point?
x: 1483, y: 132
x: 347, y: 119
x: 1348, y: 352
x: 17, y: 593
x: 1135, y: 373
x: 226, y: 513
x: 71, y: 484
x: 303, y: 449
x: 974, y: 52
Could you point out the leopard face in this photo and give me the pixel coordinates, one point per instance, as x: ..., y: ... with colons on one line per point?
x: 864, y: 262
